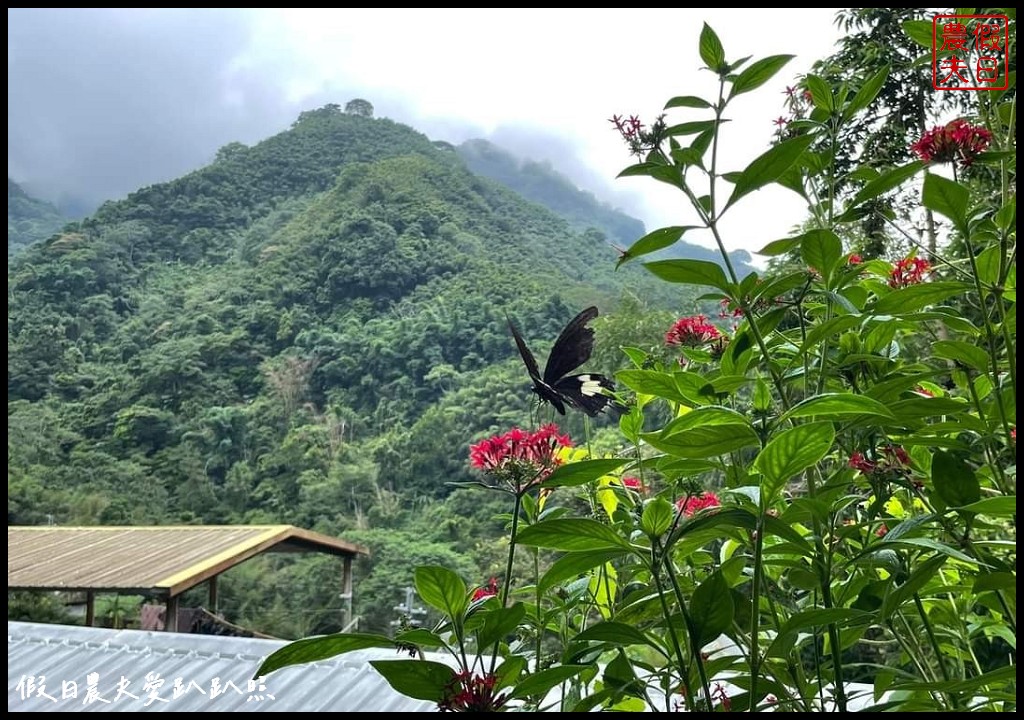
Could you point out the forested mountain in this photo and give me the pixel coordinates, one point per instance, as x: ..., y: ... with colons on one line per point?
x: 28, y: 219
x: 310, y: 330
x: 544, y: 185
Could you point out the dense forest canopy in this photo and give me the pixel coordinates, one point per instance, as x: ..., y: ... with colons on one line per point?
x: 309, y: 330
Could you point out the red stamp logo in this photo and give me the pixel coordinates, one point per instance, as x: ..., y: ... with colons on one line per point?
x: 970, y: 52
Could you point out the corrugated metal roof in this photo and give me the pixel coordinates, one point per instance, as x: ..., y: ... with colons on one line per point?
x: 64, y: 653
x: 157, y: 560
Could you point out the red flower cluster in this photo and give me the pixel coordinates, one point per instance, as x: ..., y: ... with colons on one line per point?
x: 471, y: 693
x: 692, y: 504
x: 893, y: 457
x: 909, y: 271
x: 630, y: 128
x: 956, y: 141
x: 634, y: 483
x: 725, y: 312
x: 854, y: 259
x: 691, y: 332
x: 488, y: 590
x: 522, y: 456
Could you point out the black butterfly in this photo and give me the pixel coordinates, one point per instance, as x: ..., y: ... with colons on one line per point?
x: 587, y: 392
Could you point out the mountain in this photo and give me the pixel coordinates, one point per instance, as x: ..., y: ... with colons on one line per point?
x: 544, y: 185
x: 311, y: 330
x: 28, y: 219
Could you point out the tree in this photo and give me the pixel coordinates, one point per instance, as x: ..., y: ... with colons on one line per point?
x: 360, y: 107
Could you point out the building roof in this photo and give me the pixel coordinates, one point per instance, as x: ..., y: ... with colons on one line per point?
x: 157, y: 560
x: 66, y: 653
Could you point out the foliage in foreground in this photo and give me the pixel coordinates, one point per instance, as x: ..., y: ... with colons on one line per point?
x: 858, y: 425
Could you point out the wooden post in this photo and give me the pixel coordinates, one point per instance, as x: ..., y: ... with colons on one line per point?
x: 212, y: 583
x: 171, y: 619
x: 90, y: 608
x: 346, y: 592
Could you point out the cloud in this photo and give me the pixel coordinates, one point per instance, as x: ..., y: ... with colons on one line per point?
x: 101, y: 102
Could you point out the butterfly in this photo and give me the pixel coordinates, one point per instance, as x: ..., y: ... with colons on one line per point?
x: 588, y: 392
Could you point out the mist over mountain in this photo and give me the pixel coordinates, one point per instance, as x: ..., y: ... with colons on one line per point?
x: 28, y: 219
x: 543, y: 184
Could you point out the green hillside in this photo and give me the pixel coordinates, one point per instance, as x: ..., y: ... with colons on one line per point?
x: 310, y: 330
x: 543, y: 184
x: 28, y: 219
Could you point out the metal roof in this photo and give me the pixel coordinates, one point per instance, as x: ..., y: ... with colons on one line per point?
x: 53, y: 655
x: 158, y: 560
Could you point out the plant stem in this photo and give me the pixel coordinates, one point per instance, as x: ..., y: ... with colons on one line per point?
x: 505, y: 587
x: 690, y: 630
x: 683, y: 674
x: 755, y: 609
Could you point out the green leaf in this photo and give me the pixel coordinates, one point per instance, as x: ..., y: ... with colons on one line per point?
x: 657, y: 517
x: 582, y: 472
x: 759, y: 72
x: 420, y: 636
x: 769, y: 166
x: 572, y: 534
x: 781, y: 246
x: 419, y: 679
x: 690, y: 128
x: 652, y: 382
x: 791, y: 452
x: 690, y: 101
x: 954, y: 480
x: 703, y: 442
x: 917, y: 580
x: 994, y: 581
x: 822, y: 250
x: 572, y: 565
x: 616, y: 633
x: 948, y: 198
x: 541, y: 682
x: 762, y: 399
x: 711, y: 608
x: 821, y: 93
x: 915, y: 297
x: 442, y: 589
x: 692, y: 272
x: 920, y: 31
x: 320, y: 648
x: 654, y: 241
x: 807, y: 619
x: 965, y: 353
x: 704, y: 417
x: 1004, y: 506
x: 884, y: 183
x: 867, y: 92
x: 509, y: 671
x: 837, y: 405
x: 711, y: 50
x: 499, y: 623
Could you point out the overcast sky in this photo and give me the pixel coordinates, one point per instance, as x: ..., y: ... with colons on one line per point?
x: 101, y: 102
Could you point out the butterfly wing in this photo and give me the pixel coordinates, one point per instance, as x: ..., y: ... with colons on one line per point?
x: 587, y: 392
x: 528, y: 359
x: 572, y: 348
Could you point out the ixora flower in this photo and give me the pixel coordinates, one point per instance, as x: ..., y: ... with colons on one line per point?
x: 689, y: 505
x: 892, y: 458
x: 634, y: 483
x: 956, y: 141
x: 487, y: 591
x: 909, y: 271
x: 692, y: 331
x: 468, y: 692
x: 520, y: 458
